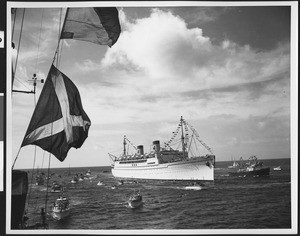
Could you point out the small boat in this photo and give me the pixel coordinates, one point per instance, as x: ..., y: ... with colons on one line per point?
x: 277, y: 168
x: 61, y: 208
x: 81, y: 177
x: 88, y: 173
x: 39, y: 180
x: 194, y: 186
x: 234, y: 165
x: 74, y: 180
x: 135, y: 200
x: 100, y: 183
x: 252, y: 168
x: 56, y: 188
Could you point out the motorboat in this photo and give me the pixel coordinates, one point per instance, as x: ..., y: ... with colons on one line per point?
x: 277, y: 168
x: 61, y: 208
x: 74, y: 180
x: 135, y: 200
x: 39, y: 180
x: 56, y: 188
x: 194, y: 186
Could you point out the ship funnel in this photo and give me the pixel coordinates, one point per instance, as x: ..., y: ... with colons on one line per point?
x: 140, y: 149
x: 156, y: 146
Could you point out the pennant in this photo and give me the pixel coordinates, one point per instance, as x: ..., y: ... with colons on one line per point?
x: 59, y: 121
x: 98, y: 25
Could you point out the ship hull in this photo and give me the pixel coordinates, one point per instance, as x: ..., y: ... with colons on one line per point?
x: 182, y: 170
x: 135, y: 204
x: 59, y: 215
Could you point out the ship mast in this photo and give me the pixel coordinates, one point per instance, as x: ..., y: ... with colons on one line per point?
x: 182, y: 137
x: 124, y: 146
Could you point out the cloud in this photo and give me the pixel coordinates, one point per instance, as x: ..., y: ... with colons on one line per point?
x: 158, y: 62
x: 158, y: 44
x: 87, y: 65
x: 176, y: 62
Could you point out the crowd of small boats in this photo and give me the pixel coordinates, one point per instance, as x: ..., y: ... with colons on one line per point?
x: 61, y: 207
x: 81, y: 177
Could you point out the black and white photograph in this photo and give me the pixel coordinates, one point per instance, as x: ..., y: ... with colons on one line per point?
x: 151, y: 117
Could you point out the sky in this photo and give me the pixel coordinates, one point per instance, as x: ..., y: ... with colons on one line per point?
x: 226, y: 70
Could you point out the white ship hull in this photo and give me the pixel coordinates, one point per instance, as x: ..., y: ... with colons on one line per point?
x: 182, y: 170
x: 167, y: 163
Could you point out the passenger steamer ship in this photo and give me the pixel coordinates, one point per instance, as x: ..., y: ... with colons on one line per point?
x: 167, y: 163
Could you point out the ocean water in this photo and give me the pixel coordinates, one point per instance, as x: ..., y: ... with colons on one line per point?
x: 226, y: 203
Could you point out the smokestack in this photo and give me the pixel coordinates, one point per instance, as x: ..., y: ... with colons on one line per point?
x: 140, y: 149
x: 156, y: 146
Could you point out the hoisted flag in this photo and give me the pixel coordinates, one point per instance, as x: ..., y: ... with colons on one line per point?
x: 59, y: 121
x: 98, y: 25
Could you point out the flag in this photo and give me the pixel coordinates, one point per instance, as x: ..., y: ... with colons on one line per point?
x: 98, y: 25
x: 58, y: 121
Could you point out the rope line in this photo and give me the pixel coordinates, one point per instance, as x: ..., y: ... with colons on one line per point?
x: 37, y: 56
x: 19, y: 45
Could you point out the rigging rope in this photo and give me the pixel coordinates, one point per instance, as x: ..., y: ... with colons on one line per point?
x: 59, y: 48
x: 48, y: 174
x: 19, y: 45
x: 57, y: 65
x: 34, y: 101
x: 37, y: 56
x: 31, y: 181
x: 13, y: 29
x: 131, y: 143
x: 43, y: 158
x: 57, y: 52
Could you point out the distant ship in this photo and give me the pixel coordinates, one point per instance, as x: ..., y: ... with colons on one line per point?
x: 167, y: 163
x: 234, y: 165
x: 252, y: 168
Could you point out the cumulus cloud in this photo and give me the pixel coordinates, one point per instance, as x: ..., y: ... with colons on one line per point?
x: 168, y: 64
x: 159, y: 62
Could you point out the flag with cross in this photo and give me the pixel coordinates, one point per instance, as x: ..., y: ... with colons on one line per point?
x: 58, y: 121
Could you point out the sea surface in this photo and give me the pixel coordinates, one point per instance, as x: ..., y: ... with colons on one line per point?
x: 226, y: 203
